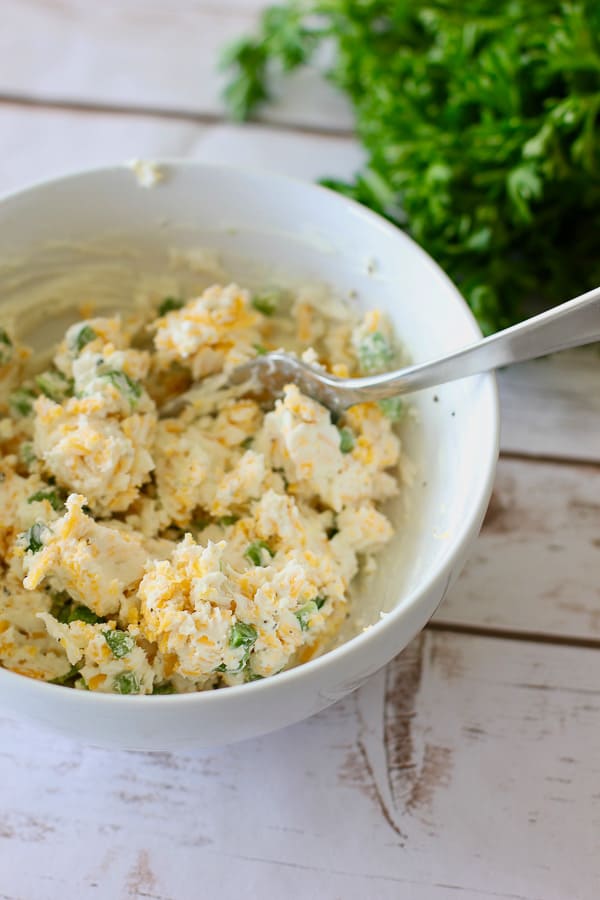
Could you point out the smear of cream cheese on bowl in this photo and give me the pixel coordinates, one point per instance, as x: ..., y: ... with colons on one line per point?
x: 148, y: 174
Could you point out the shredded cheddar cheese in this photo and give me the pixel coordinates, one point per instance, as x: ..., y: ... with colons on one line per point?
x: 213, y: 547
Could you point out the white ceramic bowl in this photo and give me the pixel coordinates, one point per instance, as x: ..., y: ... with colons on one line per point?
x: 95, y: 234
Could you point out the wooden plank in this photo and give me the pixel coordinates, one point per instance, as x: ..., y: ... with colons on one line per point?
x: 146, y: 53
x: 453, y: 773
x: 304, y: 156
x: 37, y: 143
x: 42, y: 143
x: 536, y: 563
x: 551, y: 406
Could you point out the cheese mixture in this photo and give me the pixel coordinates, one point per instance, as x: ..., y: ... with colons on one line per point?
x: 144, y: 553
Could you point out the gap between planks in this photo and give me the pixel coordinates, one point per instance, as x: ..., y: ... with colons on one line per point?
x: 550, y: 459
x: 177, y: 115
x: 508, y: 634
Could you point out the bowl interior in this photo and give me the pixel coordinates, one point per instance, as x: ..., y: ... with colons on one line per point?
x: 101, y: 238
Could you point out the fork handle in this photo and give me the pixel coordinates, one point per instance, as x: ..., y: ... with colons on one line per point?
x: 571, y: 324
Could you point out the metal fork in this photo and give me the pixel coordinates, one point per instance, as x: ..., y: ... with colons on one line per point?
x: 571, y: 324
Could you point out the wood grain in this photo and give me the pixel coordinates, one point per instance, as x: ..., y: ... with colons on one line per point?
x: 37, y: 143
x: 536, y: 564
x: 551, y: 406
x: 150, y: 54
x: 452, y: 773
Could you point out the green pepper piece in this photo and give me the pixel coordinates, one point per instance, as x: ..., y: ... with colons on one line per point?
x: 254, y: 552
x: 169, y: 304
x: 119, y: 642
x: 55, y: 497
x: 33, y: 537
x: 126, y: 683
x: 305, y: 614
x: 346, y: 440
x: 85, y: 336
x: 164, y: 687
x: 266, y: 302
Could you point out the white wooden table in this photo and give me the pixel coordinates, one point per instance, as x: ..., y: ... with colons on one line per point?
x: 470, y: 767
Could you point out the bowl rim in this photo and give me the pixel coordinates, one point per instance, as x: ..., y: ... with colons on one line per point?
x: 475, y: 509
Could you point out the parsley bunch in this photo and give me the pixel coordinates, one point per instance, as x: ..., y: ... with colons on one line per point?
x: 481, y: 125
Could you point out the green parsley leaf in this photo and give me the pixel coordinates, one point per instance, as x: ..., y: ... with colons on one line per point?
x: 346, y: 440
x: 61, y: 606
x: 66, y: 610
x: 266, y: 303
x: 164, y: 687
x: 305, y: 614
x: 85, y: 336
x: 21, y: 401
x: 374, y: 353
x: 81, y: 613
x: 393, y: 408
x: 130, y: 389
x: 479, y: 124
x: 126, y: 683
x: 119, y: 642
x: 68, y: 679
x: 55, y: 385
x: 200, y: 523
x: 255, y: 552
x: 242, y: 635
x: 249, y: 88
x: 33, y: 537
x: 169, y: 304
x: 224, y: 521
x: 319, y: 601
x: 260, y: 349
x: 247, y: 443
x: 6, y: 348
x: 55, y: 496
x: 26, y: 454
